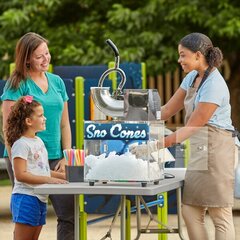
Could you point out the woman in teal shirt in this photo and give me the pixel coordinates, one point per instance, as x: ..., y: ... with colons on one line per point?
x: 30, y: 77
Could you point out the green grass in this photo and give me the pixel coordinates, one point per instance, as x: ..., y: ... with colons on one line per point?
x: 5, y: 182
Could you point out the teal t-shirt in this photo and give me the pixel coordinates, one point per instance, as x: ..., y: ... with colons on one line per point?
x: 52, y: 102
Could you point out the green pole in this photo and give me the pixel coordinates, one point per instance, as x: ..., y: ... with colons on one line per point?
x: 79, y: 119
x: 128, y: 220
x: 144, y: 76
x: 113, y: 75
x: 79, y: 111
x: 162, y: 213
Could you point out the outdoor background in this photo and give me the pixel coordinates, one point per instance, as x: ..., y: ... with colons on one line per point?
x: 144, y: 31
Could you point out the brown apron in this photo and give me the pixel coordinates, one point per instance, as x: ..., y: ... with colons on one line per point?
x: 209, y: 177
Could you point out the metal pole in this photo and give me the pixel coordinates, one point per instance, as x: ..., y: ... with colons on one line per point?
x: 123, y: 217
x: 76, y: 217
x: 179, y: 210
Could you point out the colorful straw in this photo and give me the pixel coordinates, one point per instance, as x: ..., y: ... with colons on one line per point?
x: 74, y: 157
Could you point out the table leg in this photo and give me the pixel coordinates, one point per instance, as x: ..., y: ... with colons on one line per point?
x: 76, y: 217
x: 82, y: 219
x: 128, y: 219
x: 179, y: 211
x: 123, y: 217
x: 138, y: 217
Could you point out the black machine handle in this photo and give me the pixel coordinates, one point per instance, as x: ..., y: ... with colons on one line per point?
x: 113, y: 47
x: 118, y: 91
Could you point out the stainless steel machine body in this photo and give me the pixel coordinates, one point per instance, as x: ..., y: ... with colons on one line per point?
x: 107, y: 155
x: 136, y: 115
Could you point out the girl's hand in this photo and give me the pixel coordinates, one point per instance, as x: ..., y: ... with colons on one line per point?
x: 60, y: 175
x: 60, y: 167
x: 53, y: 180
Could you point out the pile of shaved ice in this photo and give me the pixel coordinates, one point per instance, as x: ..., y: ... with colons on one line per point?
x: 121, y: 167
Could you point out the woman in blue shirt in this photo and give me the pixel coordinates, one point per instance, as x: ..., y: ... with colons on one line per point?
x: 210, y: 172
x: 30, y: 77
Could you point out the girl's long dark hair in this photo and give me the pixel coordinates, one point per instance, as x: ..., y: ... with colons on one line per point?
x: 16, y: 122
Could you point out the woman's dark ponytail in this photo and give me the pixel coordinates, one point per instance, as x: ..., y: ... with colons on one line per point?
x: 214, y: 57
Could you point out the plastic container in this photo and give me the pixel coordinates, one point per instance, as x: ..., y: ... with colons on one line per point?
x: 74, y: 173
x: 107, y: 155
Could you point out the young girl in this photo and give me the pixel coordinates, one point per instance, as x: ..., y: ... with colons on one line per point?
x: 30, y: 165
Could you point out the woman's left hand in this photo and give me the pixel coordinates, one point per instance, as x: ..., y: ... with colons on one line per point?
x: 60, y: 167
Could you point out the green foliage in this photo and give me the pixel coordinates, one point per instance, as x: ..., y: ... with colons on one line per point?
x: 4, y: 182
x: 146, y: 30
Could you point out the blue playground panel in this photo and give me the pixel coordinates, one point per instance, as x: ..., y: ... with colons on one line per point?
x: 134, y: 76
x: 135, y: 73
x: 91, y: 75
x: 70, y: 88
x: 104, y: 204
x: 94, y: 71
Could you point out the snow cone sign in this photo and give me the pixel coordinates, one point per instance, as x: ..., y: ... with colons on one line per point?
x: 120, y: 131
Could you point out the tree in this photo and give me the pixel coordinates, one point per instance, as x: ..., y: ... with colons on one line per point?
x: 146, y: 30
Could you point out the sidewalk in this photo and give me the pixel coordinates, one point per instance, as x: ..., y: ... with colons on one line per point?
x: 95, y: 231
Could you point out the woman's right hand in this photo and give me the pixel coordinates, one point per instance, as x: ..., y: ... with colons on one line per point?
x: 144, y: 150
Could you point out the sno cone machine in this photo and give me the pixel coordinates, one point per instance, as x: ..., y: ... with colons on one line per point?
x: 135, y: 120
